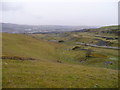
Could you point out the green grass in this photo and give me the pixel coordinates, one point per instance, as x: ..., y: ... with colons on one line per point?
x: 26, y: 46
x: 44, y: 74
x: 35, y: 47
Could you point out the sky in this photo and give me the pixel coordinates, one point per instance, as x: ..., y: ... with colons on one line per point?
x: 60, y: 12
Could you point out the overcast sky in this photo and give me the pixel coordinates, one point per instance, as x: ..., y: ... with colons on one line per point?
x: 60, y: 12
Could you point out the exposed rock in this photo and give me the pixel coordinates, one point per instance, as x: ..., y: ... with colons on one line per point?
x: 76, y: 48
x: 103, y: 43
x: 109, y: 38
x: 108, y: 63
x: 116, y: 38
x: 60, y: 41
x: 59, y: 61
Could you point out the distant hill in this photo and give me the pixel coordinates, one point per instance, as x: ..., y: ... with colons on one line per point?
x: 106, y: 30
x: 16, y: 28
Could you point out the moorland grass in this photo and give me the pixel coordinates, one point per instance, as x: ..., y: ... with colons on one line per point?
x: 45, y: 74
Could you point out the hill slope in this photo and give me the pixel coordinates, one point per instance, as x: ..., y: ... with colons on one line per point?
x: 40, y: 74
x: 43, y: 72
x: 115, y: 30
x: 26, y: 46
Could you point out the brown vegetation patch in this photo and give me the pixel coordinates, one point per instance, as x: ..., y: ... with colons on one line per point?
x: 17, y: 58
x: 99, y: 55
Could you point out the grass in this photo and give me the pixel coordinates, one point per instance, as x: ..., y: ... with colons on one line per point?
x: 44, y: 74
x: 26, y: 46
x: 37, y: 48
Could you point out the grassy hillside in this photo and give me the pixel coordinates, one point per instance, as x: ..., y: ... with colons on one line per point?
x: 107, y: 30
x: 26, y: 46
x: 97, y: 59
x: 55, y: 64
x: 40, y: 74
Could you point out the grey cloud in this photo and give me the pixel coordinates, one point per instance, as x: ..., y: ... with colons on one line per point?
x: 54, y: 13
x: 11, y: 6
